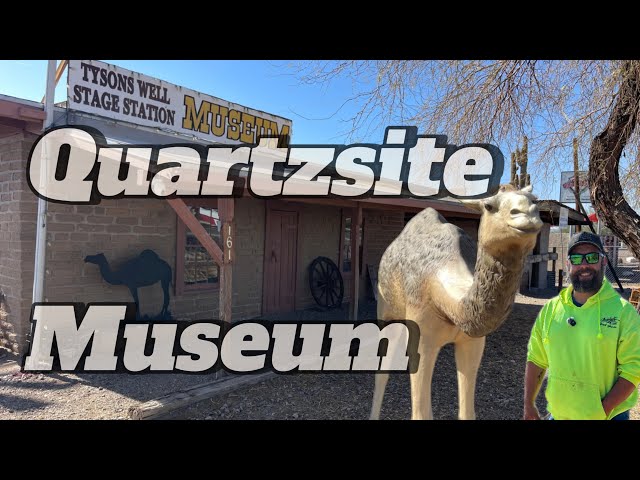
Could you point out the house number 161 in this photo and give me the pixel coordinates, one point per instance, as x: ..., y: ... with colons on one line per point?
x: 229, y: 242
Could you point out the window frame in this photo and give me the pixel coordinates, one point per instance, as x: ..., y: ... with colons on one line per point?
x: 181, y: 233
x: 344, y: 214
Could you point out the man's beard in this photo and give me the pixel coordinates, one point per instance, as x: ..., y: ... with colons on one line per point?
x: 591, y: 285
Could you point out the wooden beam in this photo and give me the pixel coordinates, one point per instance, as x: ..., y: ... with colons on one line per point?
x: 60, y: 70
x: 390, y: 203
x: 226, y: 209
x: 10, y: 125
x: 30, y: 114
x: 440, y: 205
x: 184, y: 213
x: 18, y: 111
x: 334, y: 202
x: 167, y: 403
x: 356, y: 223
x: 226, y: 212
x: 31, y: 127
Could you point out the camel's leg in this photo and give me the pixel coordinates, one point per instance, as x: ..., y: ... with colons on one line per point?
x: 381, y: 378
x: 165, y: 289
x: 421, y: 380
x: 134, y: 294
x: 468, y: 357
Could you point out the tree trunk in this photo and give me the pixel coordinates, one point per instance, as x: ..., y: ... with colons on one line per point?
x: 604, y: 159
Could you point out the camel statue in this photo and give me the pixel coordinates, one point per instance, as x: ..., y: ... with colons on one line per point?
x: 457, y: 292
x: 144, y: 270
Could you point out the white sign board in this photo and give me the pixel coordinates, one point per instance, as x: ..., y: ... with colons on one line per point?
x: 102, y: 89
x: 567, y: 186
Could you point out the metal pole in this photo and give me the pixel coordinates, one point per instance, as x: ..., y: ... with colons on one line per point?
x: 609, y: 266
x: 561, y: 279
x: 41, y: 225
x: 553, y: 266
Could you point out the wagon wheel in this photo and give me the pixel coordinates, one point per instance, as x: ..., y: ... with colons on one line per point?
x: 326, y: 283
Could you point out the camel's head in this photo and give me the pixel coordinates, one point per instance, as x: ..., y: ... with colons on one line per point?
x: 510, y: 220
x: 97, y: 259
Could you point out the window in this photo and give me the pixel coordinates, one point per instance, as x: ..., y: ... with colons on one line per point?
x: 195, y: 269
x: 345, y: 243
x: 346, y: 246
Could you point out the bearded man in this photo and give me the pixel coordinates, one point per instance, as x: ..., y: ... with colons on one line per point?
x: 588, y: 341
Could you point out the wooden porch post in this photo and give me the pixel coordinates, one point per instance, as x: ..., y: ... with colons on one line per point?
x: 356, y: 223
x: 226, y: 213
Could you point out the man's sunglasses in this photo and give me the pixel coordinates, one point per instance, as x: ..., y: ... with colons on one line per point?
x: 576, y: 258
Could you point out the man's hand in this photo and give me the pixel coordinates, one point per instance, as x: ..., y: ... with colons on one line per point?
x: 533, y: 376
x: 531, y: 412
x: 618, y: 394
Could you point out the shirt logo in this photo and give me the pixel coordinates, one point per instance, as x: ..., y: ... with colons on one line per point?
x: 609, y: 322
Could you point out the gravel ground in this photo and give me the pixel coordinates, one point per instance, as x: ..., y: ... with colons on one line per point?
x: 295, y: 396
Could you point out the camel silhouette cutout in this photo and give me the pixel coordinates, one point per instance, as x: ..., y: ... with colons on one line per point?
x: 144, y: 270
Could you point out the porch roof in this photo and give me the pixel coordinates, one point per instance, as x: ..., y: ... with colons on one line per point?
x: 550, y: 213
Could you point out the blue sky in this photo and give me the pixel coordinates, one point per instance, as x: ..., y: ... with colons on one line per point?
x: 263, y: 85
x: 319, y: 114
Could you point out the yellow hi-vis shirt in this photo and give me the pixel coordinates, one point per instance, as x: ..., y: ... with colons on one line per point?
x: 586, y: 359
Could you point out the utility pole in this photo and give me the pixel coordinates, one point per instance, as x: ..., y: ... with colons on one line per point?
x: 576, y: 180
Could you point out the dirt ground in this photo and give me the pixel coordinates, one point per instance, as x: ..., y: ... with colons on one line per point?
x: 499, y: 392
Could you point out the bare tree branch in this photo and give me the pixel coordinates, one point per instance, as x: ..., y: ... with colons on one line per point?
x: 500, y: 102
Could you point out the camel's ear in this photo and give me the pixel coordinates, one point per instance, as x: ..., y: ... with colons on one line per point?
x: 481, y: 205
x: 527, y: 189
x: 473, y: 204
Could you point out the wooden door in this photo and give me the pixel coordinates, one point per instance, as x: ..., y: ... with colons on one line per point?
x: 281, y: 244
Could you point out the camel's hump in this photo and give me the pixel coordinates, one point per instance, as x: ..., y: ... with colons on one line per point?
x: 430, y: 227
x: 429, y: 234
x: 427, y: 246
x: 150, y: 254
